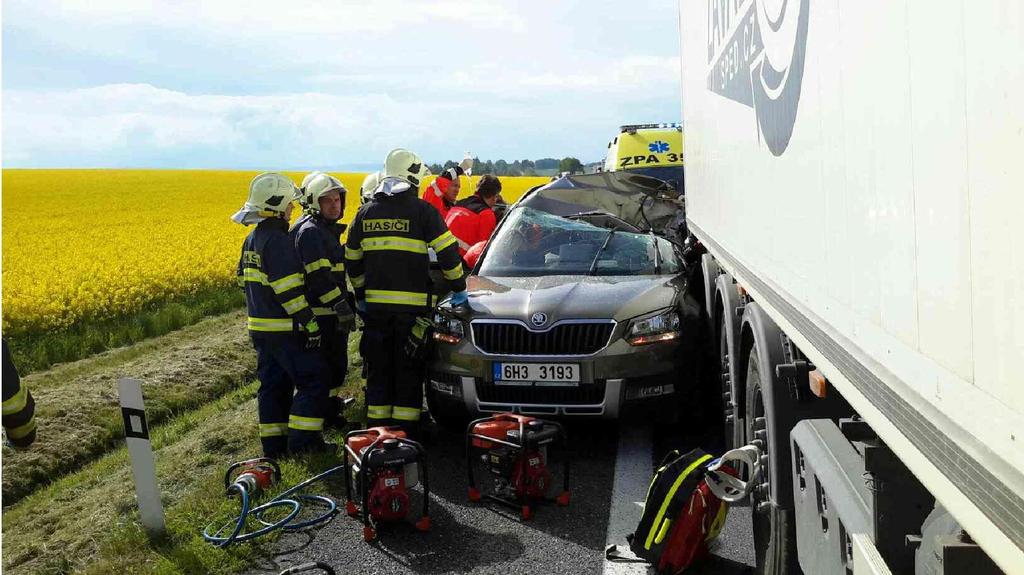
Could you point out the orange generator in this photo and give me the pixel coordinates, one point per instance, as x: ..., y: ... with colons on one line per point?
x: 514, y: 449
x: 384, y: 465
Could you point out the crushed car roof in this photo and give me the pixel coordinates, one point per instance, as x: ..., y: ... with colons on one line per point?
x: 641, y: 201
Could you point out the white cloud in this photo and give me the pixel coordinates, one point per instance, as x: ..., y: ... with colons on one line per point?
x: 194, y: 83
x: 127, y: 120
x: 256, y: 18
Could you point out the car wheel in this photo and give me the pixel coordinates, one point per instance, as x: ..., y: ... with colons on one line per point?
x: 449, y: 417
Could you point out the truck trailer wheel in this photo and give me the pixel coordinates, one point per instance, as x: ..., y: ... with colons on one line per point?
x: 726, y: 338
x: 774, y: 530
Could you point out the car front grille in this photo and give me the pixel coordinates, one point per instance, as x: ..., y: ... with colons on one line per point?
x: 583, y: 394
x: 563, y: 339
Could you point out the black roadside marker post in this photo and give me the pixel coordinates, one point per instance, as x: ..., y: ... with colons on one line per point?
x: 140, y: 450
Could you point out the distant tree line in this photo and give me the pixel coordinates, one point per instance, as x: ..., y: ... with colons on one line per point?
x: 541, y: 167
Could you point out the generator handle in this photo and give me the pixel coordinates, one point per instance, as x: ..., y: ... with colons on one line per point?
x: 469, y: 447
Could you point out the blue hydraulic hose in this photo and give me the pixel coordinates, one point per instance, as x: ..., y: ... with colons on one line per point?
x: 281, y: 500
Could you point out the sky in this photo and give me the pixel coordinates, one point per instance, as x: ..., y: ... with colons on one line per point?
x: 255, y: 84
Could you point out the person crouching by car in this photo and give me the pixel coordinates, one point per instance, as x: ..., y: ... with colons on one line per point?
x: 472, y: 220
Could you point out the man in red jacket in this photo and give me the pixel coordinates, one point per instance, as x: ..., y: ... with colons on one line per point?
x: 441, y: 193
x: 472, y: 220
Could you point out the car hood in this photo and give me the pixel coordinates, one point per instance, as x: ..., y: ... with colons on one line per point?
x: 570, y: 297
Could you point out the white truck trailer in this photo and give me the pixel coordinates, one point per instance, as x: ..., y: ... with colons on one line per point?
x: 855, y: 171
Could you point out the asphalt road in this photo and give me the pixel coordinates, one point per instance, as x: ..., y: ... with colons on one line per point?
x: 611, y: 472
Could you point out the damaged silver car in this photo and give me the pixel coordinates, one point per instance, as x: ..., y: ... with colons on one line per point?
x: 577, y: 307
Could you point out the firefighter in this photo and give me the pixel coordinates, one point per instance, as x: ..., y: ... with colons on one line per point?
x: 281, y: 323
x: 317, y: 239
x: 444, y: 190
x: 18, y: 406
x: 473, y: 219
x: 388, y: 263
x: 368, y: 186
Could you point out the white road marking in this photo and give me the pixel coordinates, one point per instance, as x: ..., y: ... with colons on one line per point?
x: 633, y: 471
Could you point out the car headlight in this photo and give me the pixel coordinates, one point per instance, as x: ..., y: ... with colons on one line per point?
x: 661, y: 326
x: 448, y: 329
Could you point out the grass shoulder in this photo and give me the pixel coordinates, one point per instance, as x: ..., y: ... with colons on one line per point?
x: 87, y: 521
x: 38, y: 350
x: 77, y: 406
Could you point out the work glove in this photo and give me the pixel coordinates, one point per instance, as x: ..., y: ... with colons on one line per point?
x: 459, y: 298
x: 346, y: 319
x: 313, y: 337
x: 416, y: 343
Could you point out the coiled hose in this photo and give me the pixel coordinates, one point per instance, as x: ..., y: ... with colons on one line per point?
x: 284, y: 499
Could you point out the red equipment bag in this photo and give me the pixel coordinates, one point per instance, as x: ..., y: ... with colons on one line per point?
x: 681, y: 517
x: 696, y: 526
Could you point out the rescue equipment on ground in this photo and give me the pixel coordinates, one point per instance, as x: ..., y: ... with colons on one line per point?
x: 246, y: 480
x: 514, y: 449
x: 385, y: 465
x: 683, y: 512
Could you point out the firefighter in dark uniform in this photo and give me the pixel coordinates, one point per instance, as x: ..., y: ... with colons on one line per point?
x: 388, y: 265
x: 19, y: 408
x: 317, y: 239
x: 282, y: 327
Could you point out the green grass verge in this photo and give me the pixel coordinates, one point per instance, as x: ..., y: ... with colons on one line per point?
x: 34, y: 351
x: 77, y: 406
x: 87, y: 522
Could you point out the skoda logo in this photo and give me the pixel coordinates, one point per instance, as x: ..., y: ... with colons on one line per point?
x: 538, y: 319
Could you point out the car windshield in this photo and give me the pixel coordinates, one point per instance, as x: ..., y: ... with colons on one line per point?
x: 535, y: 243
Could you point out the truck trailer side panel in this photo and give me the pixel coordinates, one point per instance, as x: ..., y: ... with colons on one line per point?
x: 859, y: 168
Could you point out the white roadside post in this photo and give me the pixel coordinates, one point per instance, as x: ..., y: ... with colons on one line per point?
x: 136, y: 434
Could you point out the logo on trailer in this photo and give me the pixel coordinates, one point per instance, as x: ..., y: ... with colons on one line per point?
x: 756, y: 52
x: 538, y: 319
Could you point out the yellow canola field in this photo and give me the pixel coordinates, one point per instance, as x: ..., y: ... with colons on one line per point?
x: 81, y: 245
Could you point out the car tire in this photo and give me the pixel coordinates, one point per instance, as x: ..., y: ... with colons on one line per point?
x: 451, y: 418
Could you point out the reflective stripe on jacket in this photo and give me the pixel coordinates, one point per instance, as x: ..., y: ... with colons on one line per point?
x: 273, y: 279
x: 387, y: 253
x: 19, y: 407
x: 318, y: 245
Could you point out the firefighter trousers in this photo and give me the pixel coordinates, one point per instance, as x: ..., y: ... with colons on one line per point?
x: 394, y: 382
x: 284, y: 367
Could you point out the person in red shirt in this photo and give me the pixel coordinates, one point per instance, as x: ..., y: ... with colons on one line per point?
x: 441, y: 193
x: 472, y: 220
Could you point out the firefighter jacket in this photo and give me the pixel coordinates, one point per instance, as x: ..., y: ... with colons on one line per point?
x: 18, y: 406
x: 471, y: 221
x: 318, y: 245
x: 387, y: 253
x: 435, y: 196
x: 272, y: 276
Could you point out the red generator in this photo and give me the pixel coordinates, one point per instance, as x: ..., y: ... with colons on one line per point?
x: 382, y: 466
x: 514, y: 450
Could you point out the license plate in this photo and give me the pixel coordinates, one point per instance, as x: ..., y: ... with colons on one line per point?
x: 536, y: 373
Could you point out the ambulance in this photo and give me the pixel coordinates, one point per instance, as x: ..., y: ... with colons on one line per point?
x: 650, y: 149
